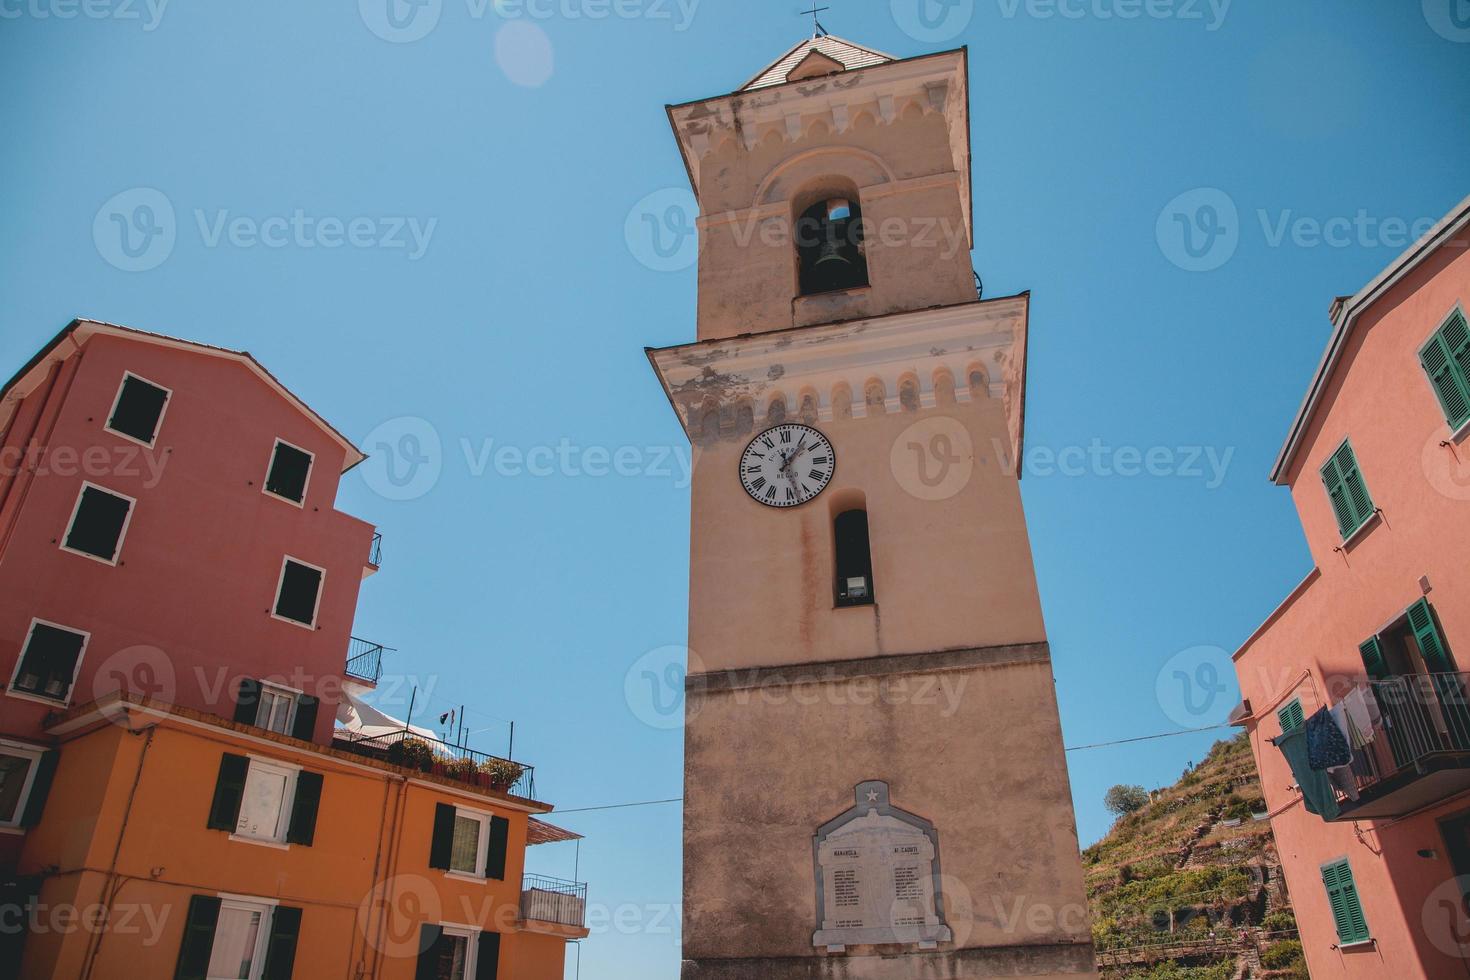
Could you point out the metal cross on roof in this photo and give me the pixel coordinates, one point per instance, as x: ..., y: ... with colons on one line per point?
x: 817, y: 29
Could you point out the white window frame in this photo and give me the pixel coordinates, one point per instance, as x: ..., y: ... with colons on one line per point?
x: 267, y: 909
x: 280, y: 690
x: 288, y: 801
x: 20, y: 659
x: 270, y: 465
x: 482, y: 848
x: 122, y: 535
x: 117, y: 398
x: 21, y: 750
x: 471, y: 936
x: 281, y: 582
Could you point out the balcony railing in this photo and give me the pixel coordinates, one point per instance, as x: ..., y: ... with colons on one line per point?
x: 364, y: 660
x: 563, y: 903
x: 429, y: 755
x: 1420, y: 751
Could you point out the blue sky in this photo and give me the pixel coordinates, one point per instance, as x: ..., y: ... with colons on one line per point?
x: 466, y: 271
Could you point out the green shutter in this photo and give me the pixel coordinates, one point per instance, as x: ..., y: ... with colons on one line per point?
x: 1351, y: 503
x: 247, y: 701
x: 229, y: 791
x: 431, y: 941
x: 487, y: 957
x: 304, y: 726
x: 280, y: 950
x: 495, y: 852
x: 40, y: 788
x: 1446, y: 360
x: 302, y: 827
x: 1373, y: 658
x: 198, y: 940
x: 1431, y: 644
x: 1291, y: 716
x: 441, y: 845
x: 1347, y: 910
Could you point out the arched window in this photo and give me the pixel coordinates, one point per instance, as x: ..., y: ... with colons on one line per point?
x: 854, y: 559
x: 829, y: 246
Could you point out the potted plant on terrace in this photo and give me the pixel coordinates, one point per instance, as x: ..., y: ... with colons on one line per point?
x: 412, y: 753
x: 502, y: 773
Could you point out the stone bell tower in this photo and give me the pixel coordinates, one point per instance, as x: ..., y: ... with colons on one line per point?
x: 875, y: 785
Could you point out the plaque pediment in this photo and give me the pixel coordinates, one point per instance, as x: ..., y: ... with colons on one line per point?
x: 877, y: 876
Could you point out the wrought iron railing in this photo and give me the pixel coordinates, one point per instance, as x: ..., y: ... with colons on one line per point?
x: 375, y: 552
x: 553, y: 900
x: 1423, y: 716
x: 429, y: 755
x: 364, y: 660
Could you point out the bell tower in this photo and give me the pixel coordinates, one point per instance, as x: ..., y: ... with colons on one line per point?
x: 875, y: 784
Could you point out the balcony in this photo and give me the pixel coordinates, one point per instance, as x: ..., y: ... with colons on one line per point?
x: 1420, y: 752
x: 364, y: 660
x: 412, y: 750
x: 551, y: 902
x: 375, y: 555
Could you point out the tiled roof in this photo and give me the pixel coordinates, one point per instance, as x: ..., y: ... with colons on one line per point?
x: 845, y: 53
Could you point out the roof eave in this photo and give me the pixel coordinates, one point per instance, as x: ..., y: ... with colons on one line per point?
x: 1450, y: 226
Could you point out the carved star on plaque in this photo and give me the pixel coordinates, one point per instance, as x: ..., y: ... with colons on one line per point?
x: 872, y: 796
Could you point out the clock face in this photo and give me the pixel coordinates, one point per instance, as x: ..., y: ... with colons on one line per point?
x: 787, y: 465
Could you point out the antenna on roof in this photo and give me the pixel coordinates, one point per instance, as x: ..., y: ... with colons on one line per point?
x: 817, y: 29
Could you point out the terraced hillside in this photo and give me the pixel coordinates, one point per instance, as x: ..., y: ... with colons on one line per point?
x: 1189, y: 887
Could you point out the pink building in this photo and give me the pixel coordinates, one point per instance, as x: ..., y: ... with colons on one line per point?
x: 168, y: 528
x: 1377, y: 855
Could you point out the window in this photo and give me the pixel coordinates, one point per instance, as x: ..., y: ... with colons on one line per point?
x: 290, y: 468
x: 457, y: 953
x: 48, y: 664
x: 25, y: 779
x: 262, y: 800
x: 1347, y: 910
x: 469, y: 842
x: 230, y: 937
x: 1412, y: 644
x: 98, y: 522
x: 1446, y: 360
x: 276, y: 708
x: 854, y: 559
x: 1291, y: 716
x: 239, y: 941
x: 137, y: 412
x: 299, y: 592
x: 469, y: 834
x: 829, y: 247
x: 1349, y: 494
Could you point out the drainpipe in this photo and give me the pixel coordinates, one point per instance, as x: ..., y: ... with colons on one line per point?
x: 386, y: 902
x: 95, y: 944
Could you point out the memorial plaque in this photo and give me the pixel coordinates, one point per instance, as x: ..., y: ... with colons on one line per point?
x: 877, y: 871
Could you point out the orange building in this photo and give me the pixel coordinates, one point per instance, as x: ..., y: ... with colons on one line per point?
x: 177, y: 797
x: 1376, y: 848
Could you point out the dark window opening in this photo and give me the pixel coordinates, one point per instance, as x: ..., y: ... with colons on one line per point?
x: 289, y: 470
x: 97, y: 527
x: 300, y: 587
x: 139, y: 409
x: 829, y: 247
x: 854, y: 559
x: 49, y: 662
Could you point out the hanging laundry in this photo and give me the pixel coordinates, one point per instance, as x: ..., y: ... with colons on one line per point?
x: 1361, y: 709
x: 1327, y: 747
x: 1316, y: 788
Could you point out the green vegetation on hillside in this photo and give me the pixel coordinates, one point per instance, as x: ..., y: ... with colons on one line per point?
x: 1186, y: 886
